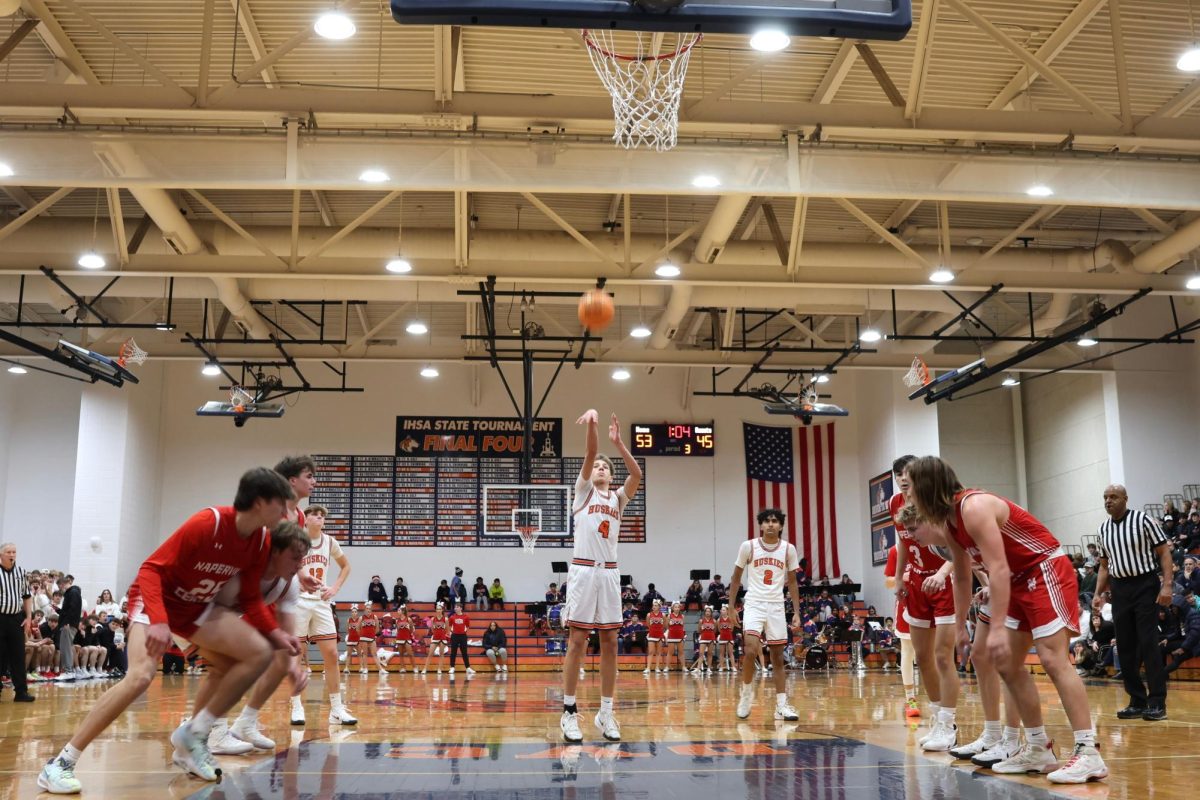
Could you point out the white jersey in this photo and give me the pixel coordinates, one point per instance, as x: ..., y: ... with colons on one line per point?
x: 316, y: 564
x: 765, y: 569
x: 597, y: 522
x: 283, y: 593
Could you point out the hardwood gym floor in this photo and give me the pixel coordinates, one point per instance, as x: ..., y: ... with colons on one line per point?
x: 437, y: 738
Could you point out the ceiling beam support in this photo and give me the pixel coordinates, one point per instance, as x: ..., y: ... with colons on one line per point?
x: 881, y: 76
x: 1042, y: 214
x: 570, y: 230
x: 16, y: 37
x: 58, y: 43
x: 836, y: 74
x: 350, y: 227
x: 116, y: 216
x: 1062, y: 36
x: 1120, y: 62
x: 882, y: 232
x: 33, y: 213
x: 258, y: 50
x: 735, y: 80
x: 1179, y: 104
x: 235, y: 227
x: 796, y: 242
x: 924, y: 51
x: 444, y: 58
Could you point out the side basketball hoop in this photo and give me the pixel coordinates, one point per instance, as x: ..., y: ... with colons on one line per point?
x: 645, y: 82
x: 130, y: 353
x: 917, y: 375
x: 527, y: 524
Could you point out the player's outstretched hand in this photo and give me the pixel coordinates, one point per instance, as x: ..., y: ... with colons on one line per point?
x: 589, y: 417
x: 158, y: 639
x: 614, y: 430
x: 282, y: 640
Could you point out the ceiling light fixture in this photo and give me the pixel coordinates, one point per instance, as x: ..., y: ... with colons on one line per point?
x: 1190, y: 60
x: 822, y: 378
x: 870, y: 335
x: 17, y: 369
x: 1194, y: 282
x: 335, y: 24
x: 416, y: 327
x: 1009, y: 380
x: 398, y: 266
x: 706, y: 181
x: 1039, y: 190
x: 620, y: 374
x: 211, y: 369
x: 1087, y: 341
x: 941, y: 275
x: 667, y: 271
x: 373, y: 176
x: 91, y: 260
x: 429, y: 371
x: 5, y: 170
x: 769, y: 40
x: 163, y: 326
x: 640, y: 332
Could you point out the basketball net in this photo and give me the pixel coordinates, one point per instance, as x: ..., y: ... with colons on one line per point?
x: 239, y: 398
x: 130, y: 353
x: 646, y: 85
x: 529, y: 537
x: 917, y: 375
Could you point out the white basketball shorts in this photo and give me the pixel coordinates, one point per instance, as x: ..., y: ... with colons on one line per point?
x: 593, y: 597
x: 314, y: 620
x: 767, y: 621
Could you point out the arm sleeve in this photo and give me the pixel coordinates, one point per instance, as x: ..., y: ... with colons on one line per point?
x: 177, y: 549
x: 250, y: 597
x: 743, y: 556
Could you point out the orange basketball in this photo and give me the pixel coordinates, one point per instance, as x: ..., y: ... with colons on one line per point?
x: 595, y: 310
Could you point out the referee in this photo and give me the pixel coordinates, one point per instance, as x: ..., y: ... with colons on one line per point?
x: 1134, y: 549
x: 16, y: 610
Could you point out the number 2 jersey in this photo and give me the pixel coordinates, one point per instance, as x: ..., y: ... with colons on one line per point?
x: 765, y: 569
x: 597, y: 523
x: 178, y: 581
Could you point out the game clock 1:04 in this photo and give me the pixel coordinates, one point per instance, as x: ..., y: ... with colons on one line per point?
x: 672, y: 439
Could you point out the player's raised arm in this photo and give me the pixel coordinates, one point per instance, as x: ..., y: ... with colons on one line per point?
x: 635, y: 472
x: 591, y: 441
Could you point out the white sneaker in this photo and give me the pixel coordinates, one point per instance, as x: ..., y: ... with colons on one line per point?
x: 363, y: 671
x: 608, y: 726
x: 745, y: 703
x: 929, y: 734
x: 504, y: 668
x: 402, y: 670
x: 191, y: 754
x: 297, y: 711
x: 582, y: 672
x: 944, y: 737
x: 1084, y: 765
x: 646, y: 671
x: 975, y: 748
x: 340, y: 715
x: 451, y: 670
x: 58, y: 777
x: 248, y: 732
x: 1001, y: 751
x: 1030, y: 758
x: 784, y: 711
x: 439, y: 671
x: 470, y: 671
x: 221, y: 742
x: 570, y: 727
x: 422, y: 671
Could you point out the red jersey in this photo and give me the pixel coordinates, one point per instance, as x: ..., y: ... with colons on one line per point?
x: 352, y: 626
x: 179, y: 579
x: 655, y: 622
x: 708, y: 630
x: 404, y: 630
x: 920, y: 559
x: 459, y: 623
x: 437, y: 629
x: 368, y: 626
x: 725, y: 630
x: 675, y: 627
x: 1027, y: 542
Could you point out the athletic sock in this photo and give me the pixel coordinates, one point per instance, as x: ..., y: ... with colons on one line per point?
x: 991, y: 730
x: 249, y: 714
x: 202, y: 723
x: 1037, y: 736
x: 934, y: 708
x: 780, y: 699
x: 910, y: 693
x: 947, y: 715
x: 70, y: 755
x: 747, y: 688
x: 1011, y: 735
x: 335, y: 699
x: 1086, y: 738
x: 606, y: 705
x: 569, y: 704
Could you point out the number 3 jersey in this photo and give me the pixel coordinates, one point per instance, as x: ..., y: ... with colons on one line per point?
x: 179, y: 579
x: 765, y: 569
x: 597, y: 522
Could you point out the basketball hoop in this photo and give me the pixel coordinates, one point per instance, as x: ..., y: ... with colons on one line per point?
x: 239, y: 398
x: 646, y: 85
x: 917, y: 375
x: 130, y: 353
x: 527, y: 524
x: 529, y: 537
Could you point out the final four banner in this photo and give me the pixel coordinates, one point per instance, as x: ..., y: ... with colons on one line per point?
x: 491, y: 437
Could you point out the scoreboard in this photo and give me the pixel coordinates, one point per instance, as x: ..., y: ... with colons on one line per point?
x: 672, y: 439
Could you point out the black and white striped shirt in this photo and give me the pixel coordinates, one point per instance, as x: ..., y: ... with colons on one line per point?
x: 1129, y: 544
x: 13, y: 590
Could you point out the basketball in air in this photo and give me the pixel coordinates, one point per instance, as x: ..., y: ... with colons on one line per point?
x: 595, y: 310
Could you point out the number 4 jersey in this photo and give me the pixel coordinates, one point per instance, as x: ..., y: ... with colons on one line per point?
x: 765, y: 569
x: 180, y: 579
x: 597, y: 523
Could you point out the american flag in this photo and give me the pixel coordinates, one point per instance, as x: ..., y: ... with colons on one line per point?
x: 771, y: 467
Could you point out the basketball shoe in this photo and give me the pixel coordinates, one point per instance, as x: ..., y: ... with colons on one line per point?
x: 1084, y: 765
x: 340, y: 715
x: 191, y: 754
x: 247, y: 730
x: 911, y: 709
x: 1030, y: 758
x: 569, y: 723
x: 745, y: 701
x: 58, y: 777
x: 221, y: 742
x: 1000, y: 751
x: 944, y: 736
x: 297, y: 711
x: 984, y: 742
x: 607, y: 725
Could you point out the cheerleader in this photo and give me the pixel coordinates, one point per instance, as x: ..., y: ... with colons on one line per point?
x: 439, y: 638
x: 404, y: 640
x: 725, y: 639
x: 656, y: 623
x: 675, y: 635
x: 708, y: 641
x: 352, y: 637
x: 368, y: 629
